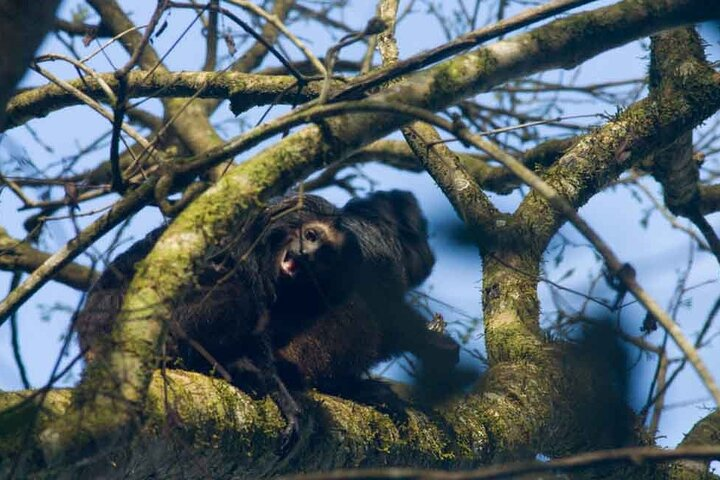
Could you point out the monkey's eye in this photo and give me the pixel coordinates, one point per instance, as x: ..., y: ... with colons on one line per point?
x: 311, y: 235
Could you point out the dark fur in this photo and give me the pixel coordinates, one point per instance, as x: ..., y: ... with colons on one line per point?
x: 345, y: 312
x: 238, y: 285
x: 375, y: 322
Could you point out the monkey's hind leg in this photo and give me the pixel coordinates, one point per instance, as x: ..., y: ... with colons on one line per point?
x: 260, y: 373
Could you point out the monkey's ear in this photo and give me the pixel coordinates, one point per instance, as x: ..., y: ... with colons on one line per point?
x: 399, y: 211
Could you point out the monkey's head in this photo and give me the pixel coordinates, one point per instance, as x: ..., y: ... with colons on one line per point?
x: 311, y: 249
x: 312, y: 256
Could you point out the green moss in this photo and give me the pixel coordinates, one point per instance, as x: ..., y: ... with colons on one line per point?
x: 452, y: 78
x: 510, y: 305
x: 19, y: 411
x: 227, y: 420
x: 359, y: 424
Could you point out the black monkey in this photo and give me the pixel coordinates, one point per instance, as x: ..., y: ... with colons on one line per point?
x: 315, y: 290
x: 374, y: 322
x: 285, y: 258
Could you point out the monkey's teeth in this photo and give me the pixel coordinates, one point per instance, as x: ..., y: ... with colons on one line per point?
x: 289, y: 266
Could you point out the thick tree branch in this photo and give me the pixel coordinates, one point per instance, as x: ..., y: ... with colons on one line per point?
x: 705, y: 432
x: 23, y: 25
x: 468, y: 199
x: 446, y: 168
x: 676, y: 56
x: 343, y: 432
x: 195, y: 424
x: 600, y: 157
x: 81, y: 29
x: 243, y: 89
x: 465, y: 42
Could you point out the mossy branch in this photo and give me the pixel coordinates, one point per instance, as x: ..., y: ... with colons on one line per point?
x: 194, y: 424
x: 245, y: 90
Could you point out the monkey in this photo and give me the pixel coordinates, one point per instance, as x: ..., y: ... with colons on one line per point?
x: 305, y: 295
x: 284, y: 258
x: 374, y: 322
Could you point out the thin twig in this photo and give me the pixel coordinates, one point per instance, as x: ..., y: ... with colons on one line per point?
x: 458, y: 45
x: 49, y: 57
x: 249, y: 30
x: 162, y: 5
x: 131, y: 203
x: 374, y: 26
x: 672, y: 219
x: 275, y: 21
x: 698, y: 343
x: 134, y: 134
x: 110, y: 42
x: 18, y: 191
x: 15, y: 337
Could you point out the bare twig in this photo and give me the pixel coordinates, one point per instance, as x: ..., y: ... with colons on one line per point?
x: 110, y: 42
x: 134, y: 134
x: 15, y: 337
x: 132, y: 202
x: 162, y: 5
x: 275, y: 21
x: 698, y: 343
x: 248, y: 29
x: 458, y: 45
x: 80, y: 66
x: 672, y: 220
x: 374, y: 26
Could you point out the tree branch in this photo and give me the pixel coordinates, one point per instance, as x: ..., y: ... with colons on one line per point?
x: 243, y: 89
x: 16, y: 255
x: 23, y: 25
x: 676, y: 55
x: 57, y: 261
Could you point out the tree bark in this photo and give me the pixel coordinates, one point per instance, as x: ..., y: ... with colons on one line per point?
x: 23, y: 25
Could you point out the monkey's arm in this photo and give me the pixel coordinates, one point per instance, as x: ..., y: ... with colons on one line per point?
x: 406, y: 330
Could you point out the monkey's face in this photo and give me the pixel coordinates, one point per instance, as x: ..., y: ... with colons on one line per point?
x: 311, y: 251
x: 315, y: 264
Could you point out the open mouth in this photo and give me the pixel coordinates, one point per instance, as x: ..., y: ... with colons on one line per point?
x: 288, y: 265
